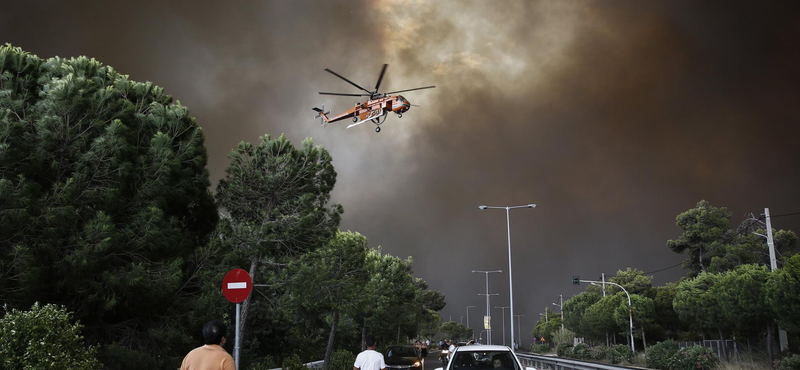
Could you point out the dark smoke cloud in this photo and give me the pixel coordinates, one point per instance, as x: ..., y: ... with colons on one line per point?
x: 613, y: 117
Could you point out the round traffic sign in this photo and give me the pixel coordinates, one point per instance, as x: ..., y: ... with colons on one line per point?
x: 236, y: 285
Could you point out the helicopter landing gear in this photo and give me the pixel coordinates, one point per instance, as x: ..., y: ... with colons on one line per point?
x: 378, y: 129
x: 399, y: 115
x: 355, y: 119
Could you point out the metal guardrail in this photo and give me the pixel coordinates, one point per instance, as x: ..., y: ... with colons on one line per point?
x: 559, y: 363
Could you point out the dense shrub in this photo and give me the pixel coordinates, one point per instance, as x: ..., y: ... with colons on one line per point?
x: 581, y: 351
x: 43, y: 338
x: 658, y: 356
x: 293, y: 363
x: 598, y: 353
x: 342, y: 360
x: 619, y: 353
x: 540, y: 348
x: 266, y: 363
x: 693, y: 358
x: 788, y: 363
x: 564, y: 350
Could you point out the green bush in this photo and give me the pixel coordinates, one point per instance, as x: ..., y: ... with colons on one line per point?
x: 658, y: 356
x: 788, y: 363
x: 293, y: 363
x: 540, y: 348
x: 581, y: 351
x: 43, y: 338
x: 342, y: 360
x: 263, y: 364
x: 619, y: 353
x: 118, y: 357
x: 693, y: 358
x: 564, y: 350
x: 598, y: 353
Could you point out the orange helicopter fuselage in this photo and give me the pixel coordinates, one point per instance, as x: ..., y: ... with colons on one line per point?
x: 374, y: 108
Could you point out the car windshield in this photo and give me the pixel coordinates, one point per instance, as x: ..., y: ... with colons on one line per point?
x: 401, y: 352
x: 489, y: 360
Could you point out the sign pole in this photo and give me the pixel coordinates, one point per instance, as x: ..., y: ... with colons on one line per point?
x: 236, y: 287
x: 236, y: 341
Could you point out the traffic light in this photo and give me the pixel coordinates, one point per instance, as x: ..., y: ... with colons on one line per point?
x: 576, y: 280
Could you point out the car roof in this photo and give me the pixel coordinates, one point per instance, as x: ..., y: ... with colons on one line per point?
x: 482, y: 348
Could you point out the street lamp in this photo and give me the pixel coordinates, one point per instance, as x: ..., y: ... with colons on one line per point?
x: 630, y: 307
x: 468, y: 307
x: 561, y: 308
x: 545, y: 315
x: 489, y: 334
x: 510, y: 280
x: 504, y: 323
x: 519, y: 342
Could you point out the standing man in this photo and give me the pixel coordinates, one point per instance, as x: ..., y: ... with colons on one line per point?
x: 211, y: 356
x: 369, y: 359
x: 452, y: 349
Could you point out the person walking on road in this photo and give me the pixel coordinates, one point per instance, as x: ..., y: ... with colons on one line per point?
x: 210, y: 356
x: 369, y: 359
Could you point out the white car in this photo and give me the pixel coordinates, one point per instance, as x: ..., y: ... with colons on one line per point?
x: 481, y: 357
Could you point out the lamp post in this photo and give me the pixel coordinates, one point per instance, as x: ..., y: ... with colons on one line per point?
x: 630, y: 307
x: 468, y: 307
x: 519, y: 342
x: 462, y: 320
x: 561, y: 308
x: 488, y: 313
x: 510, y: 279
x: 504, y: 323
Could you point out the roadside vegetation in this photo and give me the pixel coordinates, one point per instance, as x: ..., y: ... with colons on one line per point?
x: 729, y: 294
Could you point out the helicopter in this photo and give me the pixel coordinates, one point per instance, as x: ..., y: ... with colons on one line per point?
x: 376, y: 109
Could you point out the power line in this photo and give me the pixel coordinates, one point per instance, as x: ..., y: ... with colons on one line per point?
x: 785, y: 214
x: 665, y: 268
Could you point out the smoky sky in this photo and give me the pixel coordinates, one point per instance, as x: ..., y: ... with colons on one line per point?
x: 612, y: 116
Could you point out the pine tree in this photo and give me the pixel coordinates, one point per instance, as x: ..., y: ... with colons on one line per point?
x: 276, y: 198
x: 104, y: 198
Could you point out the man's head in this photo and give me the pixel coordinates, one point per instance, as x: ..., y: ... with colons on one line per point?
x: 214, y: 332
x: 497, y: 363
x: 370, y: 341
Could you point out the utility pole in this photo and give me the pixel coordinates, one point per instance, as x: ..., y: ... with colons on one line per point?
x: 488, y: 310
x: 473, y: 333
x: 504, y: 323
x: 603, y: 277
x: 519, y: 341
x: 773, y: 263
x: 561, y: 308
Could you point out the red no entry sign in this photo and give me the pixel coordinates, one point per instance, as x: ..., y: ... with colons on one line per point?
x: 236, y: 285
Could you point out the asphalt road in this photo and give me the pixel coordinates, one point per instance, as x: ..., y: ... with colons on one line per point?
x: 432, y: 361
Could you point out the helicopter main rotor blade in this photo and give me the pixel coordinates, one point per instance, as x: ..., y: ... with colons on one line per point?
x: 419, y: 88
x: 342, y: 94
x: 380, y: 78
x: 351, y: 82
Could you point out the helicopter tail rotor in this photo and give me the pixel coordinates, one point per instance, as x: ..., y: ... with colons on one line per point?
x: 322, y: 115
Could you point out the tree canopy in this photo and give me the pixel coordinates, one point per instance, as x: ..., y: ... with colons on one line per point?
x: 703, y: 229
x: 103, y: 198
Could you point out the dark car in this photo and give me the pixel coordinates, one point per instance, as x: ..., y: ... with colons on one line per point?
x: 403, y: 357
